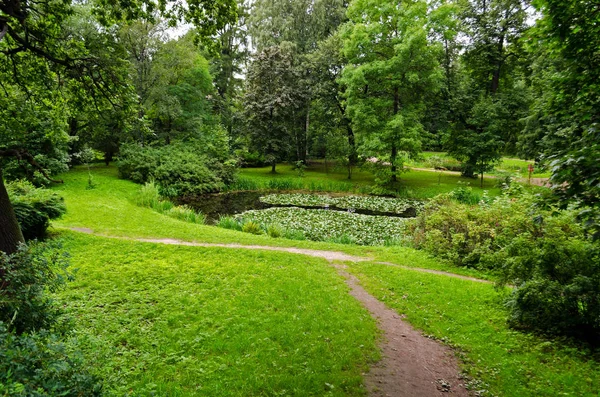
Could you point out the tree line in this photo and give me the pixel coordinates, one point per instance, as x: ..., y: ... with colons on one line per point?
x: 290, y: 80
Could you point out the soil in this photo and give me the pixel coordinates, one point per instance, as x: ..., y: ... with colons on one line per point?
x: 412, y: 364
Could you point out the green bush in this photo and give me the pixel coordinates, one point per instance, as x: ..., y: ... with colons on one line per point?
x: 229, y: 222
x: 39, y: 364
x: 33, y: 359
x: 543, y: 252
x: 34, y: 208
x: 179, y: 169
x: 251, y: 227
x: 25, y: 276
x: 274, y: 231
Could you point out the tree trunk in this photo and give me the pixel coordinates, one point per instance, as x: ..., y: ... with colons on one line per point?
x: 306, y: 132
x: 273, y: 164
x: 482, y: 179
x: 393, y: 161
x: 394, y: 148
x: 10, y: 232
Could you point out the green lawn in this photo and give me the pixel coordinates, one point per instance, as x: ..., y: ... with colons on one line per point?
x: 471, y: 317
x: 507, y: 164
x: 170, y: 320
x: 182, y: 321
x: 413, y: 184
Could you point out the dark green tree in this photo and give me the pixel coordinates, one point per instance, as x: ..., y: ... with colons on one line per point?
x: 392, y: 68
x: 565, y: 124
x: 274, y: 101
x: 36, y: 47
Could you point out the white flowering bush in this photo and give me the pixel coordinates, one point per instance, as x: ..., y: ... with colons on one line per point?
x: 326, y: 225
x: 371, y: 203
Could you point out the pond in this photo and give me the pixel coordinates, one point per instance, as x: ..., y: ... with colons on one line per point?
x: 229, y: 204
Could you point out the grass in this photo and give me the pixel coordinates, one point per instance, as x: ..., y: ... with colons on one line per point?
x: 170, y: 320
x: 110, y: 209
x: 413, y: 184
x: 181, y: 321
x: 507, y: 164
x: 470, y: 316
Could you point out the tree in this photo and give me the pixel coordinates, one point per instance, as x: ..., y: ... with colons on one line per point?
x: 489, y: 96
x: 329, y: 115
x: 392, y: 68
x: 274, y: 101
x: 304, y: 23
x: 567, y: 114
x: 34, y: 38
x: 179, y: 105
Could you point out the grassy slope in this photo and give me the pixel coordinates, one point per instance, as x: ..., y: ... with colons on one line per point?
x: 180, y: 321
x: 108, y: 209
x: 131, y: 299
x: 507, y: 164
x: 471, y: 317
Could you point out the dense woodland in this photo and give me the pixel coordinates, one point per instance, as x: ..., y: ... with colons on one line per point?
x: 182, y: 95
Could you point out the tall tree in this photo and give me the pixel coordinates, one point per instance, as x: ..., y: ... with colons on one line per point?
x: 392, y: 68
x: 330, y: 116
x: 301, y: 22
x: 567, y: 111
x: 274, y: 101
x: 490, y: 97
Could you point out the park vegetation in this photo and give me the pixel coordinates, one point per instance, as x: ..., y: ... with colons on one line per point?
x: 351, y: 92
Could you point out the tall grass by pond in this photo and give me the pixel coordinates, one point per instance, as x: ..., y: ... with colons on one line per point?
x: 149, y: 196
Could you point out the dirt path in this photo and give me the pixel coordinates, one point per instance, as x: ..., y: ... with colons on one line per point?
x: 412, y: 365
x: 327, y: 255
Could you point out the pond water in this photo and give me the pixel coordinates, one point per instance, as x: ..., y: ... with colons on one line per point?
x: 227, y: 204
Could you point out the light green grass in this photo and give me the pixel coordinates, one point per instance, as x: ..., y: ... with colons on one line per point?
x: 183, y: 321
x: 132, y: 301
x: 521, y: 167
x: 413, y: 184
x: 110, y: 209
x: 507, y: 164
x: 471, y: 317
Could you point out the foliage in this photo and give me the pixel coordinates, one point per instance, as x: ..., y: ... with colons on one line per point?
x: 39, y: 364
x: 25, y: 278
x: 179, y: 169
x: 273, y: 101
x: 392, y: 68
x: 329, y: 225
x: 564, y: 123
x: 543, y: 252
x: 149, y: 196
x: 380, y: 204
x: 34, y: 208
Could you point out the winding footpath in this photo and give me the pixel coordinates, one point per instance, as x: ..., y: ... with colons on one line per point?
x: 412, y: 365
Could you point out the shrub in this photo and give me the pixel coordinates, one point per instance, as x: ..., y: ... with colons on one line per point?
x: 274, y: 231
x: 34, y: 208
x: 149, y: 196
x: 39, y: 364
x: 229, y: 222
x: 543, y: 252
x: 251, y: 227
x: 33, y: 360
x: 465, y: 195
x: 25, y: 276
x: 178, y: 169
x: 187, y: 214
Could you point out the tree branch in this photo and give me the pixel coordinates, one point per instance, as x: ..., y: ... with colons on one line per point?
x: 22, y: 154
